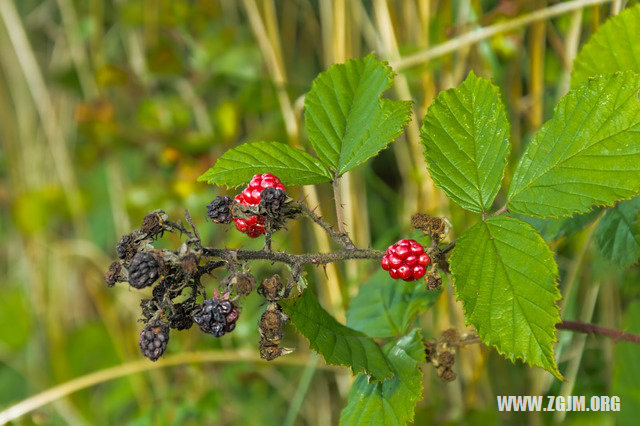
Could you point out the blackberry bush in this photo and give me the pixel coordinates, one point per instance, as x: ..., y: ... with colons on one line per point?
x: 502, y: 270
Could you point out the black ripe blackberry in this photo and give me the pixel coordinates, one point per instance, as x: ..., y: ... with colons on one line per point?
x: 272, y: 200
x: 143, y: 270
x: 216, y: 316
x: 153, y: 340
x: 219, y: 210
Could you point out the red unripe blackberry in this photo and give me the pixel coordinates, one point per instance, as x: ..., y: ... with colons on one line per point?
x: 405, y: 260
x: 250, y: 196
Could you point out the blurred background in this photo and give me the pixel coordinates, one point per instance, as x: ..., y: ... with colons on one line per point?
x: 112, y: 108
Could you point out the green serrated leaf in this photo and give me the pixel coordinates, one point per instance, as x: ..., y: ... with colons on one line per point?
x: 614, y: 47
x: 292, y: 166
x: 393, y: 401
x: 338, y: 344
x: 466, y: 139
x: 618, y: 233
x: 553, y: 229
x: 345, y: 118
x: 505, y: 276
x: 387, y: 308
x: 587, y: 154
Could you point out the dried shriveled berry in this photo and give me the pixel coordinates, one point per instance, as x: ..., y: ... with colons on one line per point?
x: 435, y: 227
x: 128, y: 245
x: 450, y: 336
x: 245, y: 284
x: 271, y: 351
x: 115, y: 274
x: 153, y: 340
x: 189, y: 264
x: 271, y: 288
x: 219, y: 210
x: 270, y: 325
x: 446, y: 374
x: 143, y: 270
x: 154, y: 223
x: 405, y: 260
x: 434, y: 281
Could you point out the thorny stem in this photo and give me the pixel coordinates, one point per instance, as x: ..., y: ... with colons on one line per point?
x: 187, y: 215
x: 340, y: 237
x: 180, y: 227
x: 338, y: 199
x: 464, y: 340
x: 575, y: 326
x: 582, y: 327
x: 293, y: 259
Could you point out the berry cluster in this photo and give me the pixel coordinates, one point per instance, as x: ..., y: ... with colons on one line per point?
x: 216, y: 316
x: 261, y: 208
x: 173, y: 277
x: 405, y: 260
x: 253, y: 226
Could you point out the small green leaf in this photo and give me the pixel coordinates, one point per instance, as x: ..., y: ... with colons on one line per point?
x: 505, y: 276
x: 393, y: 401
x: 588, y: 153
x: 553, y: 229
x: 387, y: 308
x: 291, y: 165
x: 614, y: 47
x: 345, y: 118
x: 618, y: 233
x: 339, y: 345
x: 466, y: 139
